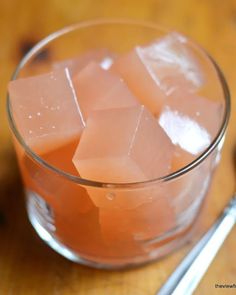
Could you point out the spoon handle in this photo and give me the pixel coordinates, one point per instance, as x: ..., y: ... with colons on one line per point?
x: 189, y: 273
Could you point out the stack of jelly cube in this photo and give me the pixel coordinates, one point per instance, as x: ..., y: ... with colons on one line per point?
x: 137, y: 116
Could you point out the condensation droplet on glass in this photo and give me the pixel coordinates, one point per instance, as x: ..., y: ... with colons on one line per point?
x: 38, y: 114
x: 110, y: 196
x: 30, y: 131
x: 30, y: 117
x: 53, y: 127
x: 41, y: 128
x: 197, y: 114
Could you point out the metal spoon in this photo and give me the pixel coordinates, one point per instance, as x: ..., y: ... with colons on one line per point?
x: 189, y: 273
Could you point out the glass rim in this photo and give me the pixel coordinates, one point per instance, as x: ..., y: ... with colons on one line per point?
x: 88, y: 182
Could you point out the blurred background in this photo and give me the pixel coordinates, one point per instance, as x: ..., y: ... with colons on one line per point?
x: 27, y: 266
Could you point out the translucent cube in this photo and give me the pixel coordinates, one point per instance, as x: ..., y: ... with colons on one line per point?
x: 191, y: 121
x: 122, y: 145
x: 147, y: 221
x: 99, y: 89
x: 46, y: 110
x: 153, y: 72
x: 206, y: 112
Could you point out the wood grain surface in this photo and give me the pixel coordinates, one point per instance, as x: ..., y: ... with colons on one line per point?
x: 27, y: 265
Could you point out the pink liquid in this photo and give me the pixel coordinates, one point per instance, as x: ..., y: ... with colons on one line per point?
x: 103, y: 234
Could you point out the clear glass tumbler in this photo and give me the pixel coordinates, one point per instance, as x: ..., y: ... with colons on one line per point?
x: 58, y: 202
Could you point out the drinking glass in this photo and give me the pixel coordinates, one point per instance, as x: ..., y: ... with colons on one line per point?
x: 58, y: 202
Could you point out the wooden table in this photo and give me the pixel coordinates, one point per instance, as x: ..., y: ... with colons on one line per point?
x: 27, y: 265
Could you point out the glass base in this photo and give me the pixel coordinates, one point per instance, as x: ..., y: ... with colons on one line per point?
x: 45, y: 228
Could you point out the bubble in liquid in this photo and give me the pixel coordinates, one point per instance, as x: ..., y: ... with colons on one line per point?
x: 110, y: 196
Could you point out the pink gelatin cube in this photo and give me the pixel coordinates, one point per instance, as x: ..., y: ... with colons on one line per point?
x: 122, y: 145
x: 136, y: 76
x: 102, y: 56
x: 191, y: 121
x: 99, y: 89
x: 46, y: 111
x: 153, y: 72
x: 206, y: 112
x: 125, y: 138
x: 147, y: 221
